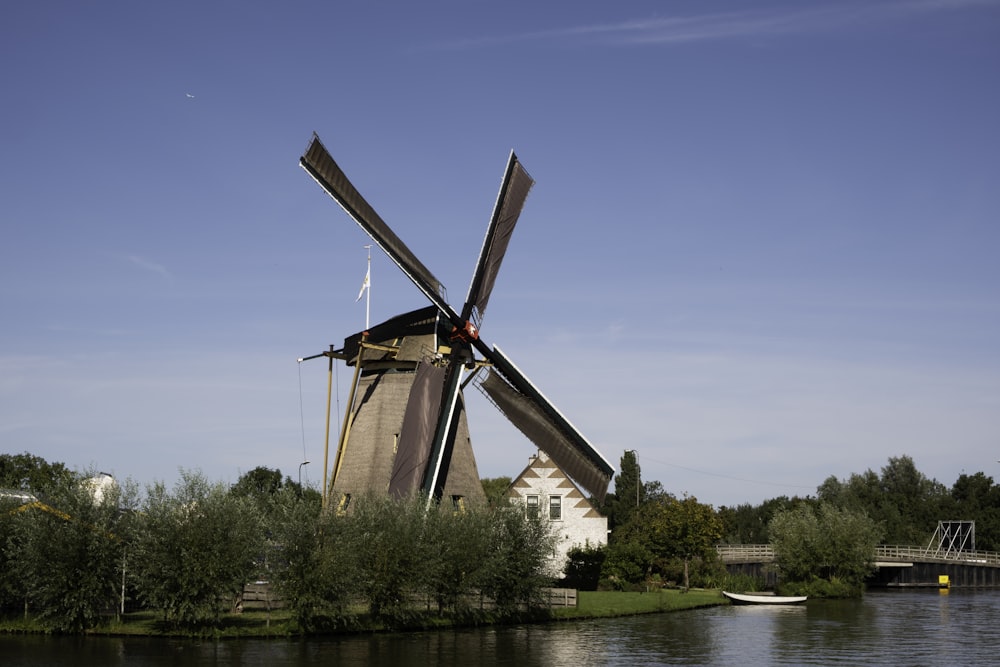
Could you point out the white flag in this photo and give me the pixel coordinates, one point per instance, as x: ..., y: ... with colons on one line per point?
x: 365, y: 285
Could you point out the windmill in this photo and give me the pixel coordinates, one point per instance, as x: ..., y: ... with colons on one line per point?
x: 406, y: 430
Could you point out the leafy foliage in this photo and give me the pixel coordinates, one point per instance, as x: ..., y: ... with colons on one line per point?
x: 748, y: 524
x: 383, y: 536
x: 825, y: 542
x: 629, y: 493
x: 196, y: 548
x: 977, y: 498
x: 69, y: 553
x: 901, y: 498
x: 517, y: 549
x: 661, y: 536
x: 459, y: 547
x: 495, y: 489
x: 33, y: 474
x: 583, y: 567
x: 311, y: 564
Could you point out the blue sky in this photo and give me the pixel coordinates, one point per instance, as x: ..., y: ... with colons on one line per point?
x: 761, y: 248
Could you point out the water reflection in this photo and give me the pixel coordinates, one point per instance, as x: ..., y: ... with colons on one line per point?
x: 886, y: 628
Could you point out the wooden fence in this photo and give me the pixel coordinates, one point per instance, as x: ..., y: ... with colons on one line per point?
x: 259, y: 595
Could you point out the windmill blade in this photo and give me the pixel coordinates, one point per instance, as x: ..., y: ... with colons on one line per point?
x: 416, y: 435
x: 510, y: 200
x: 539, y: 420
x: 322, y: 167
x: 436, y: 474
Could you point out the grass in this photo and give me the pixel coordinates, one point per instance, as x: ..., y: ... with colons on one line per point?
x: 279, y: 622
x: 606, y: 604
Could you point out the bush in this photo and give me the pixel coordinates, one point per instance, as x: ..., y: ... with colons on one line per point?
x: 824, y: 543
x: 195, y: 550
x: 583, y: 567
x: 67, y: 554
x: 311, y: 563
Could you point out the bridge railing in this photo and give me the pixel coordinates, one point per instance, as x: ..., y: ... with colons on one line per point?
x: 764, y: 553
x: 745, y: 553
x: 887, y: 552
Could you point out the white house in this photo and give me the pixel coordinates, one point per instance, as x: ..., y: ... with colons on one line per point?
x: 544, y: 489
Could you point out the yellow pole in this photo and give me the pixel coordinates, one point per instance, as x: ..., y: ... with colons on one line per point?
x: 326, y: 443
x: 349, y: 415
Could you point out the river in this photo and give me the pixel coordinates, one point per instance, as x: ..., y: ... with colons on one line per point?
x: 898, y: 628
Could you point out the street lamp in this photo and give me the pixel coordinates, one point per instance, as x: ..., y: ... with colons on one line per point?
x: 304, y: 463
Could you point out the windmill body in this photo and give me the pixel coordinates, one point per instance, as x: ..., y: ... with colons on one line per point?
x: 406, y: 429
x: 393, y: 411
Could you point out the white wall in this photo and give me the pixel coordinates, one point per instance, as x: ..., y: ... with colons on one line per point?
x: 579, y: 524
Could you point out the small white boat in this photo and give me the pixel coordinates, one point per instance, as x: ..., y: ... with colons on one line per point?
x: 749, y: 598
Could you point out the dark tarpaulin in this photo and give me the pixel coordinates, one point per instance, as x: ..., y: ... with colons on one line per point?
x: 532, y: 421
x: 513, y: 192
x: 322, y: 167
x: 416, y: 435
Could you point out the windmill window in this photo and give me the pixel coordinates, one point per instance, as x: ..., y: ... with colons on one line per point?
x: 345, y: 502
x: 555, y: 508
x: 458, y: 504
x: 532, y: 503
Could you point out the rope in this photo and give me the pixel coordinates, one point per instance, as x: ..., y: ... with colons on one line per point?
x: 302, y: 418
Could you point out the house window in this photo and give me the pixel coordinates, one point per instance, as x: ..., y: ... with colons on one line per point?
x: 555, y: 508
x: 532, y: 502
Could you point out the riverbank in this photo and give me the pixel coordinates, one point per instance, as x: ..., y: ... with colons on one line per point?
x: 279, y: 623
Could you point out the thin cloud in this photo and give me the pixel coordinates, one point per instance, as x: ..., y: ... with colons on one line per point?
x: 734, y: 25
x: 147, y: 265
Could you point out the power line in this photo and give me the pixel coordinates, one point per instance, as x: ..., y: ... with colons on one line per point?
x: 737, y: 479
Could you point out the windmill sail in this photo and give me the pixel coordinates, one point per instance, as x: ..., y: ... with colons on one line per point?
x: 416, y: 435
x: 513, y: 192
x: 322, y: 167
x: 539, y: 420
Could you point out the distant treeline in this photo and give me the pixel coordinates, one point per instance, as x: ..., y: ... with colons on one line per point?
x: 906, y: 503
x: 659, y: 539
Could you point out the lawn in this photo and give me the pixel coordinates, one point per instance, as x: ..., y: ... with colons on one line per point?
x: 278, y: 623
x: 602, y: 604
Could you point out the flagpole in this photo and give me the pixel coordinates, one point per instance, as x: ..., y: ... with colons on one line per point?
x: 368, y: 300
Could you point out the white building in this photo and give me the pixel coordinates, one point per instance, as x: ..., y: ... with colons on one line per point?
x: 544, y: 489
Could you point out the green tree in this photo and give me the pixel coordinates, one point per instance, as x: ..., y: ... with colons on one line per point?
x: 12, y: 590
x: 495, y: 489
x: 260, y: 484
x: 196, y: 548
x: 914, y: 501
x: 313, y: 566
x: 583, y: 567
x: 901, y: 498
x: 977, y: 498
x: 33, y: 474
x: 824, y: 543
x: 629, y: 493
x: 748, y: 524
x: 515, y: 568
x: 628, y: 563
x: 684, y: 529
x: 68, y: 553
x: 662, y: 540
x: 457, y: 548
x: 384, y: 535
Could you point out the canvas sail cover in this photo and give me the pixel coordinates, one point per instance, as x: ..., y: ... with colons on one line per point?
x: 416, y: 435
x: 513, y: 192
x: 322, y: 167
x: 537, y: 426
